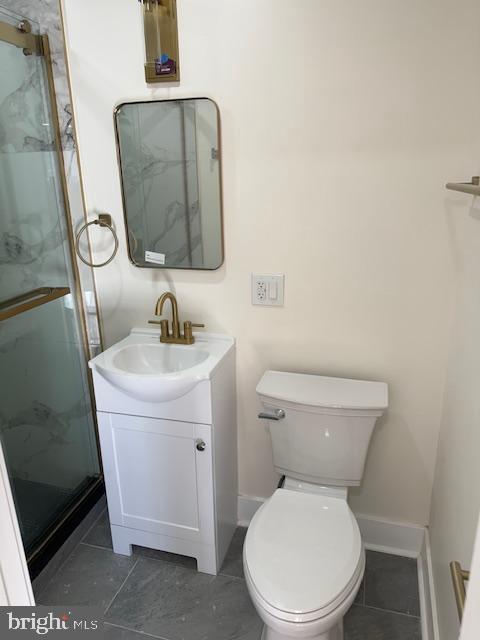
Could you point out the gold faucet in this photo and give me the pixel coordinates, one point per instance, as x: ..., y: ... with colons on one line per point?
x: 175, y: 337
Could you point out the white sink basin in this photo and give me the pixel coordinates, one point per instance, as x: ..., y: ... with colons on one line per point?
x: 158, y: 358
x: 145, y: 369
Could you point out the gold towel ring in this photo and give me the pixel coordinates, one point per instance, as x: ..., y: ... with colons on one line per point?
x: 104, y: 220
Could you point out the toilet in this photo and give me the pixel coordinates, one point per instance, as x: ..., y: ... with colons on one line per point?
x: 303, y: 555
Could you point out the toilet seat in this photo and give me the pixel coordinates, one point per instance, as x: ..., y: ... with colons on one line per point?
x: 303, y: 555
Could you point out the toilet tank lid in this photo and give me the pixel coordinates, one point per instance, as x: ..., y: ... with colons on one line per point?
x: 322, y: 391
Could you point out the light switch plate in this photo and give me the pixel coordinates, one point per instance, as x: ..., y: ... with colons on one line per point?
x: 268, y: 290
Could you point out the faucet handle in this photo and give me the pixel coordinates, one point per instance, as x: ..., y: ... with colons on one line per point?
x: 164, y: 332
x: 187, y: 331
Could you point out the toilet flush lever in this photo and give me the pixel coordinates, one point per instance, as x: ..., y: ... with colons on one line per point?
x: 278, y: 414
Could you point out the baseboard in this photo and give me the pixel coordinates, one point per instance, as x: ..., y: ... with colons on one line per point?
x: 246, y: 508
x: 398, y: 538
x: 430, y: 628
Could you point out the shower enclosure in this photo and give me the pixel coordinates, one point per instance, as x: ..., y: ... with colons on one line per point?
x: 47, y: 428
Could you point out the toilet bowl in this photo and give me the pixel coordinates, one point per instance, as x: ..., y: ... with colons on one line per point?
x: 303, y: 554
x: 304, y: 561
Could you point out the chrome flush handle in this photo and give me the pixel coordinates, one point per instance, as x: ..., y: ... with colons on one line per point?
x: 278, y: 414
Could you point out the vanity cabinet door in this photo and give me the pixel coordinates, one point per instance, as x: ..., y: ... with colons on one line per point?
x: 158, y: 475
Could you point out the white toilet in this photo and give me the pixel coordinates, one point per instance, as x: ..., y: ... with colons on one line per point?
x: 303, y: 555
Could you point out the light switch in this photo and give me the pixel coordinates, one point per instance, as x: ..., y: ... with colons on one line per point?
x: 268, y: 290
x: 273, y: 290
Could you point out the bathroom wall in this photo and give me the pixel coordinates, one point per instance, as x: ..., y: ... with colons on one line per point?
x: 341, y: 122
x: 456, y: 491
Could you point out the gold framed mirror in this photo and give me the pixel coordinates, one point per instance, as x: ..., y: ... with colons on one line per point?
x: 170, y: 171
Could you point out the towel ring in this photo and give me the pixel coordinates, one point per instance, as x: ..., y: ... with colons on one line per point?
x: 104, y: 220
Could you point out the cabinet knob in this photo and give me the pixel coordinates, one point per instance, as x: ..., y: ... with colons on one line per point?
x: 200, y: 445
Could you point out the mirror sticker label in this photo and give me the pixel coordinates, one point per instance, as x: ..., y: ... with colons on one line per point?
x: 153, y: 256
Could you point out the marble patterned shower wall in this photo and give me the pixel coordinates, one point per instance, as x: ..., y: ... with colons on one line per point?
x: 45, y: 14
x: 46, y: 424
x: 46, y: 420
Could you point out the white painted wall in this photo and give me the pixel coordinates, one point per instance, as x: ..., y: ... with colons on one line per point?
x: 456, y: 492
x: 341, y: 122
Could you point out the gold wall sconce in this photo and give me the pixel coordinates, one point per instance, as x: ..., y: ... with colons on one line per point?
x: 161, y: 40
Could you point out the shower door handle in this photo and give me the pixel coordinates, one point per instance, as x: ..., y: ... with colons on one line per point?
x: 278, y: 414
x: 26, y: 301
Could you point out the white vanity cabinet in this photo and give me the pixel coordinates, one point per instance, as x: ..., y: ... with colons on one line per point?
x: 170, y: 466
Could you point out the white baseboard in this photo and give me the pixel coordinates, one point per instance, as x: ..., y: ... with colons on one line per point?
x: 246, y: 508
x: 397, y: 538
x: 428, y: 588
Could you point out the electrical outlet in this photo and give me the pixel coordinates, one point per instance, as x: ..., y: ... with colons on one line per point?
x: 268, y: 290
x: 260, y: 290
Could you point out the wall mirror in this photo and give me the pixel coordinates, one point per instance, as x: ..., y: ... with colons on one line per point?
x: 170, y: 172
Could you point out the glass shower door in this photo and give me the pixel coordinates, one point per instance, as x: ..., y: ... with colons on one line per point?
x: 47, y: 428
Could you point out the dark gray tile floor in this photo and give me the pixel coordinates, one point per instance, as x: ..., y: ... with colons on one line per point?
x: 387, y: 606
x: 160, y: 595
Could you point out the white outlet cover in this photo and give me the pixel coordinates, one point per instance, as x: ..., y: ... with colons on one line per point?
x: 268, y: 290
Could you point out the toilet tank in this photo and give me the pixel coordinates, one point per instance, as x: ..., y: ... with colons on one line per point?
x: 324, y: 426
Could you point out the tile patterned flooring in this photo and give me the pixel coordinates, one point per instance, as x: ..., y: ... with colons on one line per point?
x: 154, y: 594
